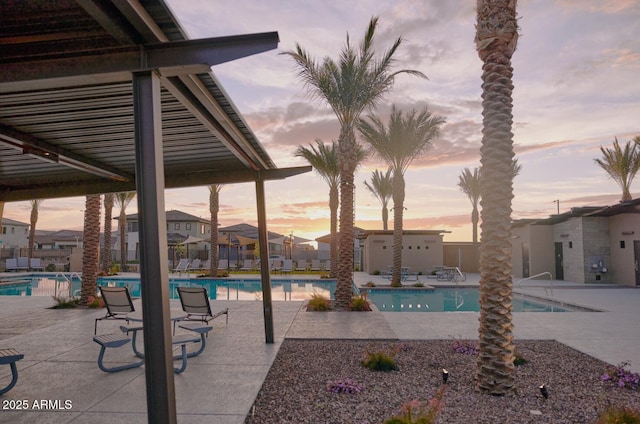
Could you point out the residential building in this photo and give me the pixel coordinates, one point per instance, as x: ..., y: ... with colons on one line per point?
x: 15, y: 234
x: 592, y: 244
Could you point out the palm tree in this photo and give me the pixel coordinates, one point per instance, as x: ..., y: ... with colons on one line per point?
x: 406, y: 138
x: 91, y: 249
x: 621, y: 165
x: 356, y: 82
x: 108, y: 217
x: 496, y: 40
x: 122, y: 201
x: 214, y: 208
x: 35, y: 205
x: 469, y: 183
x: 324, y: 159
x: 382, y: 187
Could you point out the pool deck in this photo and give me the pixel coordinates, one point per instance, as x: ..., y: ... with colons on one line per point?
x: 220, y: 385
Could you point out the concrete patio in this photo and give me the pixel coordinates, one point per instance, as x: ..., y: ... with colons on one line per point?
x: 220, y: 385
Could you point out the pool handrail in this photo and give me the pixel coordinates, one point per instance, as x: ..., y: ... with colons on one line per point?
x: 536, y: 276
x: 67, y: 280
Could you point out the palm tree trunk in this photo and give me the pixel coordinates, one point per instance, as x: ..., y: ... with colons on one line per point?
x: 385, y: 217
x: 334, y: 204
x: 474, y: 223
x: 347, y: 163
x: 108, y: 218
x: 91, y: 249
x: 398, y: 209
x: 122, y: 224
x: 32, y: 229
x: 496, y: 40
x: 214, y: 208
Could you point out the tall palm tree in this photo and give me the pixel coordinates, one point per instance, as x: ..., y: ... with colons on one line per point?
x: 469, y: 183
x: 91, y: 249
x: 214, y: 208
x: 35, y: 205
x: 621, y: 165
x: 324, y: 159
x: 496, y: 40
x: 356, y: 82
x: 381, y: 186
x: 108, y: 218
x: 122, y: 201
x: 406, y: 138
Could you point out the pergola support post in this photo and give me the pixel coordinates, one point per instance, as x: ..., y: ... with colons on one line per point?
x: 154, y: 273
x: 263, y: 241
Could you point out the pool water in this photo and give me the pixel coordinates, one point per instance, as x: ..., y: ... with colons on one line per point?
x: 449, y: 300
x: 226, y: 289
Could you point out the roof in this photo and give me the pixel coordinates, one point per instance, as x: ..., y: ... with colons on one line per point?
x: 7, y: 221
x: 67, y: 103
x: 173, y: 216
x: 631, y: 206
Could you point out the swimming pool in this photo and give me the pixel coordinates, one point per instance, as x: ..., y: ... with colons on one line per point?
x: 450, y: 300
x: 227, y: 289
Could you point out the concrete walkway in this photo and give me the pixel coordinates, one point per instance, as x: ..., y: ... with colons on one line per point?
x: 220, y: 385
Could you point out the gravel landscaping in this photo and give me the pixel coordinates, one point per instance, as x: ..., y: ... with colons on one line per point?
x: 295, y: 390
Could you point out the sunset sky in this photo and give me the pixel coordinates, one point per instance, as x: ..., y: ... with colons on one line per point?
x: 577, y: 86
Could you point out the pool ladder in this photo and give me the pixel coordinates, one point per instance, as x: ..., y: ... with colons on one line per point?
x: 62, y: 278
x: 546, y: 289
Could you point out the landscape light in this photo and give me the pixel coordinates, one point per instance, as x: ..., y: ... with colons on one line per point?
x: 544, y: 392
x: 445, y: 375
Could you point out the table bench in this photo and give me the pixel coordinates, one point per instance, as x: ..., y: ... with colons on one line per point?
x: 10, y: 357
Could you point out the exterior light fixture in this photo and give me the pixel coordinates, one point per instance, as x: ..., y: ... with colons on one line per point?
x: 445, y: 375
x: 544, y: 392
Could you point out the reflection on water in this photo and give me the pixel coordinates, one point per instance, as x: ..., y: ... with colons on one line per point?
x: 448, y: 300
x: 225, y: 289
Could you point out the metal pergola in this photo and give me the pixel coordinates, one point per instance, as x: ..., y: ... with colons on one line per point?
x: 100, y: 96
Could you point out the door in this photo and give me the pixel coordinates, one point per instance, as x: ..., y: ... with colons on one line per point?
x: 636, y: 260
x: 559, y: 263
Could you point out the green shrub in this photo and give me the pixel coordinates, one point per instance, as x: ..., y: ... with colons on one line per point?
x: 65, y: 302
x: 418, y: 285
x: 318, y: 303
x: 370, y: 284
x: 379, y: 361
x: 518, y: 359
x: 360, y: 303
x: 619, y: 415
x: 51, y: 268
x: 416, y: 412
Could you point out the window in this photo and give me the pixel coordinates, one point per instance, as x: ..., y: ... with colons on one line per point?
x: 570, y: 245
x: 201, y: 228
x: 132, y: 227
x: 4, y: 230
x: 176, y: 226
x: 621, y: 244
x: 187, y: 226
x: 13, y: 230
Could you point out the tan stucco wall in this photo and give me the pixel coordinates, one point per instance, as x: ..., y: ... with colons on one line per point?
x: 622, y: 266
x: 421, y: 253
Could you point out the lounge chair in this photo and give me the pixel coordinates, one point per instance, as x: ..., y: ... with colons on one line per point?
x: 195, y: 302
x: 275, y: 265
x: 248, y: 265
x: 183, y: 265
x: 118, y: 303
x: 36, y: 264
x: 23, y: 263
x: 11, y: 264
x: 287, y: 266
x: 195, y: 265
x: 315, y: 264
x: 10, y: 357
x: 302, y: 265
x: 223, y: 264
